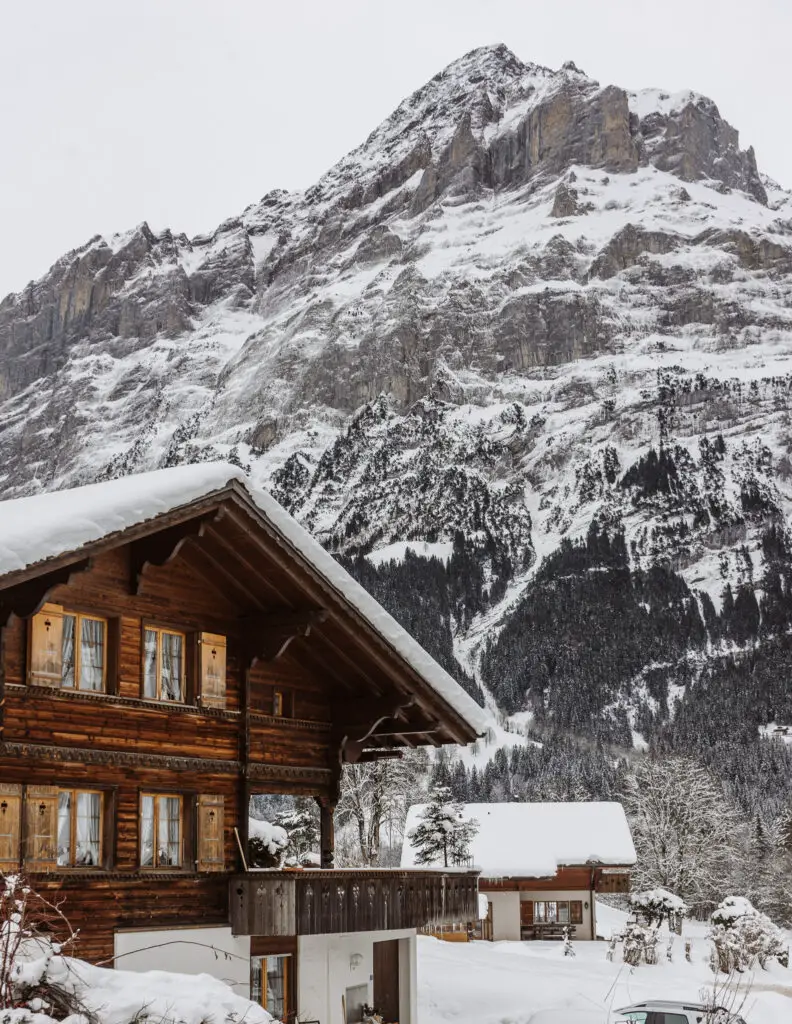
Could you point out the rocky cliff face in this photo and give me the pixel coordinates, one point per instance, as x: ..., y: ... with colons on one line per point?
x: 479, y: 323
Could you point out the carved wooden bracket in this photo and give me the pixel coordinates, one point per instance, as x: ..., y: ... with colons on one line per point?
x: 267, y: 637
x: 161, y: 548
x: 25, y: 599
x: 370, y: 715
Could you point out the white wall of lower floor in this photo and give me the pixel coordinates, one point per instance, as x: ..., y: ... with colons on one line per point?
x: 328, y: 966
x: 210, y: 950
x: 331, y: 969
x: 506, y: 911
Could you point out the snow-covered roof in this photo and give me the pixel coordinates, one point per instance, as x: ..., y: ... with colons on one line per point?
x: 533, y: 840
x: 44, y: 526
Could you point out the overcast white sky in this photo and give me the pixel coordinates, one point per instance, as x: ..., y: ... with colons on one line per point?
x: 181, y: 112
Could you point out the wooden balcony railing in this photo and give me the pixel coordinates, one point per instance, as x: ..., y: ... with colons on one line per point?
x: 322, y: 902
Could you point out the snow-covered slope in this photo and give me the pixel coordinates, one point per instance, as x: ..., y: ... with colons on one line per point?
x: 527, y: 302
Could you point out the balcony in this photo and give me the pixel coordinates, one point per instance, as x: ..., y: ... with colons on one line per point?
x: 322, y: 902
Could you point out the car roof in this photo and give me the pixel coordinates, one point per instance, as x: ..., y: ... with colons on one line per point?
x: 663, y: 1004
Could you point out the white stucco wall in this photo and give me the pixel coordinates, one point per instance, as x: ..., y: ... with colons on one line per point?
x: 187, y: 951
x: 582, y: 931
x: 505, y: 915
x: 325, y: 973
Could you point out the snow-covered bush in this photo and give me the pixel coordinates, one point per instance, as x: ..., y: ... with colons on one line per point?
x: 267, y: 844
x: 30, y: 958
x: 658, y: 907
x: 639, y: 944
x: 742, y: 937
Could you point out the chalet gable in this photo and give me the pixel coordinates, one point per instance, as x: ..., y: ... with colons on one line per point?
x: 279, y: 596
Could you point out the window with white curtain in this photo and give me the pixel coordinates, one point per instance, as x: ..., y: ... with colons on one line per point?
x: 79, y: 828
x: 160, y: 831
x: 83, y: 652
x: 163, y: 664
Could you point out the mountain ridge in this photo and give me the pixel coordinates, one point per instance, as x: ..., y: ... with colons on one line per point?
x: 534, y: 321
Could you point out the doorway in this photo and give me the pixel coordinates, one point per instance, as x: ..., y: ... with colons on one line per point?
x: 386, y: 980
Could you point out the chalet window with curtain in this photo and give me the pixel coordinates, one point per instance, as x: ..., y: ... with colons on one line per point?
x: 270, y: 984
x: 68, y: 650
x: 161, y: 826
x: 558, y: 911
x: 163, y: 664
x: 79, y: 828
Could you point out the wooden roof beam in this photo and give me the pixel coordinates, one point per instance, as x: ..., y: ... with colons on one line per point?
x: 25, y: 599
x: 161, y: 548
x: 267, y: 636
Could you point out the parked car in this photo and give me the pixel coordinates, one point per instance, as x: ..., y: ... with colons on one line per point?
x: 652, y: 1011
x: 665, y: 1011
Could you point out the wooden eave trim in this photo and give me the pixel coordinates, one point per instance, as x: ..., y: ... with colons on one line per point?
x: 138, y: 875
x: 118, y: 758
x: 99, y: 697
x: 166, y: 762
x: 283, y: 722
x: 550, y: 878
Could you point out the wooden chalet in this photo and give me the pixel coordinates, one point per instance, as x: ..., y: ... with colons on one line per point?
x: 171, y: 645
x: 542, y: 866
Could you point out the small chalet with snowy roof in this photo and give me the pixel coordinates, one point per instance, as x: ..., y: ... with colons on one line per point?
x: 176, y: 650
x: 542, y: 864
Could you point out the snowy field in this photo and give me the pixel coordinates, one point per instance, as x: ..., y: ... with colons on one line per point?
x: 506, y: 982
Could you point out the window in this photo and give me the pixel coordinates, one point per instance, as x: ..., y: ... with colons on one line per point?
x: 269, y: 984
x: 558, y: 912
x: 282, y: 703
x: 79, y: 828
x: 160, y: 831
x: 163, y: 664
x: 67, y: 649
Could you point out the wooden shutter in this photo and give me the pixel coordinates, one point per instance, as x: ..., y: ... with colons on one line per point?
x: 46, y: 646
x: 211, y: 852
x: 212, y: 668
x: 576, y: 912
x: 10, y: 817
x: 526, y: 912
x: 41, y: 823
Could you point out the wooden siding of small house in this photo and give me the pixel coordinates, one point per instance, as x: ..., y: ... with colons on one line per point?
x: 566, y: 878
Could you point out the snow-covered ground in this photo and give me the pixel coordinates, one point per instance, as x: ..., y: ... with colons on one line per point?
x: 506, y: 982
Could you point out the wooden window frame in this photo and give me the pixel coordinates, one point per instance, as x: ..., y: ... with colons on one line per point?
x: 74, y: 790
x: 282, y: 702
x: 289, y: 960
x: 160, y: 631
x: 154, y: 866
x: 78, y: 618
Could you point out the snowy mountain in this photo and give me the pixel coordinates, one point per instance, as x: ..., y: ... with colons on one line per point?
x: 538, y: 327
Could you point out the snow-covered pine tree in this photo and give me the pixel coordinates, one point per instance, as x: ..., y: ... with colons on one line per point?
x: 301, y: 824
x: 443, y: 834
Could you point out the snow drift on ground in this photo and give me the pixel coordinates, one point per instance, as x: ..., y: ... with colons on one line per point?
x: 158, y: 997
x: 508, y: 982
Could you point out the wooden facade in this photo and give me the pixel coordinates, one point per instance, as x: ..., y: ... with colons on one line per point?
x: 278, y: 681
